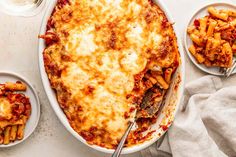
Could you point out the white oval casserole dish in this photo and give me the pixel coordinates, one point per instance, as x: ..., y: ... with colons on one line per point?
x: 174, y: 94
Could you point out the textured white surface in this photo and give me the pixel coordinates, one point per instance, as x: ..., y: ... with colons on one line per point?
x: 18, y: 53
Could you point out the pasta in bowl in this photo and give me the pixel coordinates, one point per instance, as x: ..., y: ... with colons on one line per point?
x: 214, y: 38
x: 210, y: 38
x: 15, y: 110
x: 100, y: 59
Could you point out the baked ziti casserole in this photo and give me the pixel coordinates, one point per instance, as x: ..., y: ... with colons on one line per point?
x: 102, y: 57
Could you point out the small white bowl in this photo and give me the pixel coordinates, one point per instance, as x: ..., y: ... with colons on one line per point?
x: 188, y: 42
x: 35, y: 105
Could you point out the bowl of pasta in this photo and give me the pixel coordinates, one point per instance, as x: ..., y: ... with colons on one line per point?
x: 19, y: 109
x: 99, y: 59
x: 210, y: 37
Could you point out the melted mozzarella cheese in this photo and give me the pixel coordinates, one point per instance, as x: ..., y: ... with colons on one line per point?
x: 82, y: 42
x: 133, y: 62
x: 109, y: 63
x: 104, y: 99
x: 134, y: 7
x: 119, y: 83
x: 5, y: 108
x: 135, y: 34
x: 105, y: 104
x: 155, y: 40
x: 114, y: 2
x: 74, y: 77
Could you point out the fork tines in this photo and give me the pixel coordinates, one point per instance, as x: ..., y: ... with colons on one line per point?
x: 228, y: 71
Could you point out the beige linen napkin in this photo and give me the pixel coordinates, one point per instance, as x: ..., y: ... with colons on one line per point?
x: 205, y: 125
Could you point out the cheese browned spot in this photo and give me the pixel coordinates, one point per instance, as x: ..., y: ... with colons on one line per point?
x: 99, y: 65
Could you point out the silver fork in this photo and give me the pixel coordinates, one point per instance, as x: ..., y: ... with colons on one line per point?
x: 228, y: 71
x: 131, y: 124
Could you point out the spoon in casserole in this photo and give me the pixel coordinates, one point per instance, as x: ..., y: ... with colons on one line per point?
x: 147, y: 110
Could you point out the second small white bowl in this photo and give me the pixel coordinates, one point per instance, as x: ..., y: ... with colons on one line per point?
x: 188, y: 42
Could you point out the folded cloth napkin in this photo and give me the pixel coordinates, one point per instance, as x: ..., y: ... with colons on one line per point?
x: 205, y: 125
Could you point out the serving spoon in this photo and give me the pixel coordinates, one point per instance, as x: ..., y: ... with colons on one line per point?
x: 148, y: 110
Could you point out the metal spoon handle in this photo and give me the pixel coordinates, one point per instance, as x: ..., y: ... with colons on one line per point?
x: 122, y: 141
